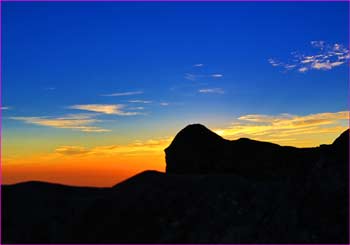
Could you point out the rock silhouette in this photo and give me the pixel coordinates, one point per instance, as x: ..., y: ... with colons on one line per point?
x: 213, y: 191
x: 197, y: 150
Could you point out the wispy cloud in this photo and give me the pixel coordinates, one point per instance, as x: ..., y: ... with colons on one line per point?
x: 211, y: 91
x: 318, y: 44
x: 123, y: 93
x: 164, y: 103
x: 140, y: 101
x: 146, y: 146
x: 191, y: 77
x: 105, y: 109
x: 80, y: 122
x: 194, y: 77
x: 4, y: 108
x: 200, y: 74
x: 71, y: 150
x: 287, y: 128
x: 325, y: 57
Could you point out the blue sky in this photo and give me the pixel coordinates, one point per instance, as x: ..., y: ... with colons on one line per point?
x: 93, y: 92
x: 194, y: 62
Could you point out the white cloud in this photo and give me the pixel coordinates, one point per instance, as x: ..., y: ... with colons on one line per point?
x: 124, y: 93
x: 303, y: 69
x: 337, y: 63
x: 322, y: 65
x: 105, y: 109
x: 326, y: 58
x: 337, y: 46
x: 217, y: 75
x: 289, y: 67
x: 326, y: 65
x: 3, y: 108
x: 194, y: 77
x: 164, y: 103
x: 274, y: 62
x: 211, y: 91
x: 199, y: 74
x: 80, y: 122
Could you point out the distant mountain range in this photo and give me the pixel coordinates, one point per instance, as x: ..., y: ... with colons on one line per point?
x: 213, y: 191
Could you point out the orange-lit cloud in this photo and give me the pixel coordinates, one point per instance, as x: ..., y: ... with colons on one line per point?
x: 71, y: 150
x: 288, y: 129
x: 138, y: 147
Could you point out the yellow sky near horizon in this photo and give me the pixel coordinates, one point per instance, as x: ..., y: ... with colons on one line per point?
x: 107, y: 164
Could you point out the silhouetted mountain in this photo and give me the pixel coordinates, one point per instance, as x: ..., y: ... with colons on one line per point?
x: 214, y: 191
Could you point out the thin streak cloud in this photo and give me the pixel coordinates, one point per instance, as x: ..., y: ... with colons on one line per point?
x: 124, y: 93
x: 140, y: 101
x: 194, y: 77
x: 211, y: 91
x: 217, y: 75
x: 77, y: 122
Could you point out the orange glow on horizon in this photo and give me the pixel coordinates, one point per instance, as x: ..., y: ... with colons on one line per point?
x: 107, y: 165
x: 101, y: 172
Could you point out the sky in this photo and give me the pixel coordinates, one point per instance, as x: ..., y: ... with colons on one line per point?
x: 92, y: 92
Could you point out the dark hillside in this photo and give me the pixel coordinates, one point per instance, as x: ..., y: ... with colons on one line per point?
x: 214, y: 191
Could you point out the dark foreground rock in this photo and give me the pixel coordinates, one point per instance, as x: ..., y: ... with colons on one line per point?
x: 308, y: 206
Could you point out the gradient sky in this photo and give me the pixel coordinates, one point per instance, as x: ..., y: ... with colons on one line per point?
x: 93, y: 92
